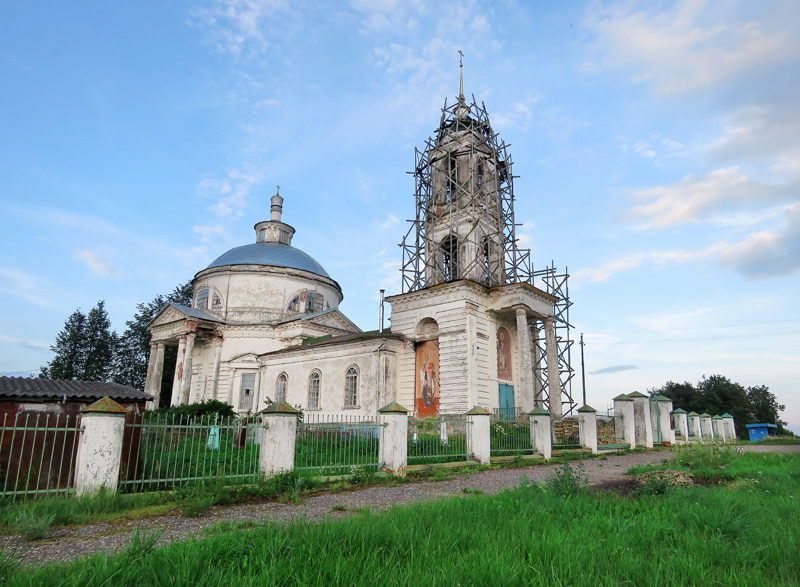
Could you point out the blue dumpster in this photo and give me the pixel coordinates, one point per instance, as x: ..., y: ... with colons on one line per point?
x: 760, y: 431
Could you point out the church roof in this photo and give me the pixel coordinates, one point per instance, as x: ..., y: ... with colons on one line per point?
x: 273, y: 254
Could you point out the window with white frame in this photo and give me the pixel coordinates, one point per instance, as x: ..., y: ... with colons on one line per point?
x: 247, y: 391
x: 351, y: 388
x: 313, y: 390
x: 280, y: 388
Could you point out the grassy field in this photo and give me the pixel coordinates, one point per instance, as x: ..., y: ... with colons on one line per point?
x: 745, y: 532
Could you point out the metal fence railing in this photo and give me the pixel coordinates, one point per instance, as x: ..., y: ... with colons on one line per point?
x: 610, y: 434
x: 37, y: 454
x: 513, y: 414
x: 565, y: 433
x: 438, y: 440
x: 162, y: 451
x: 510, y: 437
x: 334, y: 444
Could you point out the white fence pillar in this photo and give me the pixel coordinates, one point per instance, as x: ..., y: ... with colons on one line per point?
x: 587, y: 428
x: 729, y: 425
x: 278, y: 439
x: 623, y: 415
x: 695, y: 430
x: 641, y: 419
x: 100, y: 447
x: 541, y: 438
x: 681, y: 426
x: 479, y: 435
x: 706, y: 427
x: 393, y: 449
x: 718, y: 428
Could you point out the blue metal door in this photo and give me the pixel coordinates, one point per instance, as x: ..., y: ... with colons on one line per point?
x: 507, y: 401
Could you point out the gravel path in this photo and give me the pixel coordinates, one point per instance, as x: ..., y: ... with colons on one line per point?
x: 67, y: 544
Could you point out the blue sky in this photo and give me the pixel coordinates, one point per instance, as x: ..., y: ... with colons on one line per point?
x: 657, y: 144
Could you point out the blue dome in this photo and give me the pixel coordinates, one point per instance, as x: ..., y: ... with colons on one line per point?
x: 274, y: 254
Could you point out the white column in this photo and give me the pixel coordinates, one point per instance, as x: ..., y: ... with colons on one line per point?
x: 730, y: 426
x: 541, y: 437
x: 479, y: 435
x: 176, y: 381
x: 719, y: 430
x: 553, y: 377
x: 151, y: 364
x: 278, y: 439
x: 525, y: 377
x: 472, y: 359
x: 215, y: 372
x: 624, y: 415
x: 681, y: 425
x: 158, y: 375
x: 587, y: 428
x: 665, y: 408
x: 705, y: 427
x: 695, y: 430
x: 186, y: 379
x: 641, y: 419
x: 100, y: 447
x: 538, y: 400
x: 393, y: 448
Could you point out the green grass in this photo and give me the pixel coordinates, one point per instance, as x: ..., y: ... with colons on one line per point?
x: 429, y: 449
x: 328, y: 452
x: 745, y: 533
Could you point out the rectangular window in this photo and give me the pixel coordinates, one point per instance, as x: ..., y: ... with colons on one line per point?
x: 202, y: 299
x: 247, y: 391
x: 283, y: 237
x: 313, y: 391
x: 351, y: 388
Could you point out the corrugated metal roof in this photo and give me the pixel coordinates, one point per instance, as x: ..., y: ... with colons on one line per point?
x: 197, y: 313
x: 274, y: 254
x: 29, y: 387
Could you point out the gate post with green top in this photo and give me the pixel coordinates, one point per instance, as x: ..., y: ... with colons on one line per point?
x: 719, y: 429
x: 695, y: 430
x: 100, y: 447
x: 641, y: 419
x: 587, y: 428
x: 664, y: 407
x: 393, y: 448
x: 681, y: 425
x: 278, y: 439
x: 623, y: 408
x: 479, y: 435
x: 706, y: 427
x: 729, y: 426
x: 541, y: 440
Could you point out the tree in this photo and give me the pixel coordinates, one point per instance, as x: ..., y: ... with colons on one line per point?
x: 84, y: 348
x: 133, y: 353
x: 765, y: 406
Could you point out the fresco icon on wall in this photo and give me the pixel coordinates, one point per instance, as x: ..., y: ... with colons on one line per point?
x: 504, y: 354
x: 426, y: 396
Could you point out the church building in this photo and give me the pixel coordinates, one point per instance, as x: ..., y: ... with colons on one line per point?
x: 475, y: 325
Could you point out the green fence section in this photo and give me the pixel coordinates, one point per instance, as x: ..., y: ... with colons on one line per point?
x: 438, y: 440
x: 510, y: 437
x: 162, y: 451
x: 37, y: 454
x: 565, y: 433
x: 335, y: 444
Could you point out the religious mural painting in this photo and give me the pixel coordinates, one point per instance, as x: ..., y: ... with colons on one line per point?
x: 426, y: 395
x: 504, y: 370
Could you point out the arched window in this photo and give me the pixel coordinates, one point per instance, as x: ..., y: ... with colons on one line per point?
x: 449, y: 248
x: 313, y: 390
x: 280, y: 388
x: 351, y: 388
x: 307, y: 302
x: 202, y: 299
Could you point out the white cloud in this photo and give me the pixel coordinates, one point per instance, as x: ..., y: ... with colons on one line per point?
x: 98, y: 263
x: 390, y: 221
x: 26, y: 286
x: 690, y: 45
x: 209, y: 233
x: 25, y: 342
x: 231, y: 192
x: 233, y: 25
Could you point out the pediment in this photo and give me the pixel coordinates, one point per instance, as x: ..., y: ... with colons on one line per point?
x: 168, y: 315
x: 336, y: 319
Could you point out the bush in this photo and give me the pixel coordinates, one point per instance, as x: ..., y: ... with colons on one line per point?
x: 568, y: 480
x: 34, y: 526
x: 208, y: 407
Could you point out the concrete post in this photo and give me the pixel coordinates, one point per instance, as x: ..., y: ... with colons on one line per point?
x: 553, y: 376
x: 718, y: 428
x: 158, y: 376
x: 100, y: 447
x: 151, y: 365
x: 730, y: 426
x: 681, y: 426
x: 541, y: 436
x: 663, y: 409
x: 215, y: 371
x: 695, y: 430
x: 538, y: 400
x: 278, y: 438
x: 479, y: 435
x: 587, y: 428
x: 393, y: 448
x: 706, y: 427
x: 525, y: 376
x: 186, y: 379
x: 641, y: 419
x: 623, y: 409
x: 176, y: 381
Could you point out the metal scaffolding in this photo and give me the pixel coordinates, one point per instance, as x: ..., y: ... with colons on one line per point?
x: 464, y: 226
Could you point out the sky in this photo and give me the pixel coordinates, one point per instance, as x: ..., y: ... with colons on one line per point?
x: 657, y: 146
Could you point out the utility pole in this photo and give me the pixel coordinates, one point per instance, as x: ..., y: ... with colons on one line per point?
x: 583, y: 372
